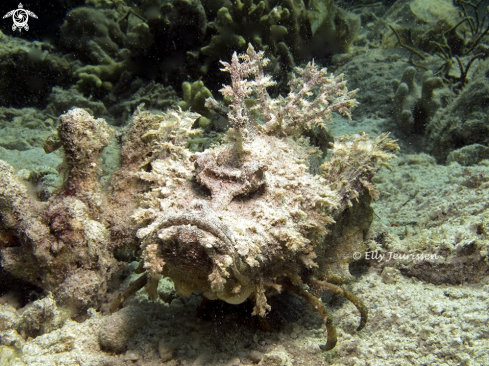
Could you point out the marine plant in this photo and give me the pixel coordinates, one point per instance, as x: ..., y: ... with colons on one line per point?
x: 462, y: 39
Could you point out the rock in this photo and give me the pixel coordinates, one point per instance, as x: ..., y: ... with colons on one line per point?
x: 255, y: 356
x: 390, y: 275
x: 119, y: 328
x: 165, y: 350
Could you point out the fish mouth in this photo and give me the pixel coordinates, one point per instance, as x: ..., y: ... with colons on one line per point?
x: 199, y: 252
x: 201, y: 216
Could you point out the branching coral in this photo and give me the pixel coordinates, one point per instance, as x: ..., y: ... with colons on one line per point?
x: 289, y: 31
x: 96, y: 39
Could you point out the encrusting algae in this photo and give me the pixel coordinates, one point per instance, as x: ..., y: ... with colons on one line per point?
x: 241, y: 220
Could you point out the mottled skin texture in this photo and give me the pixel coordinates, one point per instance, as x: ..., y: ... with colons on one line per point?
x: 247, y: 218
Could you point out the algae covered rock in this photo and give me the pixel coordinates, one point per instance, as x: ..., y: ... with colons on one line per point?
x: 28, y: 71
x: 464, y: 121
x: 65, y: 244
x: 118, y: 328
x: 421, y: 24
x: 60, y: 245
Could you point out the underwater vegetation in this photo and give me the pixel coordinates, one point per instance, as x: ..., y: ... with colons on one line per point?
x: 108, y: 45
x: 107, y: 54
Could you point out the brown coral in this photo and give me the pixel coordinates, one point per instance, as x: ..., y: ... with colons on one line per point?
x: 66, y: 244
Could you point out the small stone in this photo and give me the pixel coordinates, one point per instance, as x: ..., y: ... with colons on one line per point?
x: 234, y: 362
x: 295, y: 333
x: 390, y: 275
x: 131, y: 356
x: 165, y: 350
x: 201, y: 360
x: 117, y: 329
x: 255, y: 356
x: 424, y: 334
x: 352, y: 347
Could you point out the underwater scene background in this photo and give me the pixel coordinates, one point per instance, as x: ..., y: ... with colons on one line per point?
x: 244, y: 182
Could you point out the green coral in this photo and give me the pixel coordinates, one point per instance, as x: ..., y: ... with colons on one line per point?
x: 28, y: 71
x: 243, y: 22
x: 413, y: 109
x: 86, y: 25
x: 332, y: 29
x: 194, y: 96
x: 177, y: 21
x: 102, y: 76
x: 288, y: 31
x: 188, y: 37
x: 96, y: 39
x: 463, y: 123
